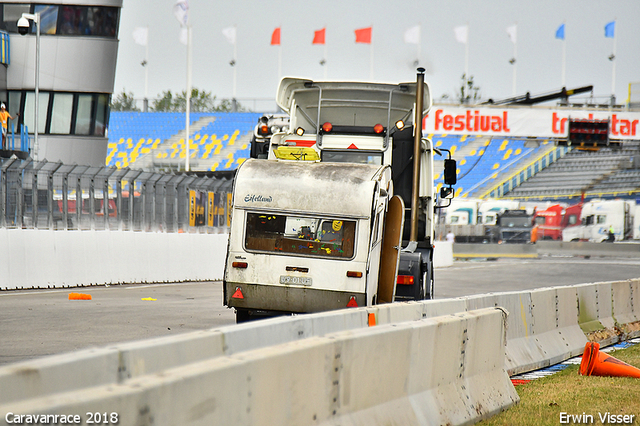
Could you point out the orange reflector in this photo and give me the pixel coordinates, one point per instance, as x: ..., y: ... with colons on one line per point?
x: 378, y: 128
x: 238, y: 294
x: 372, y: 319
x: 352, y: 302
x: 79, y: 296
x: 405, y: 279
x: 354, y: 274
x: 239, y: 264
x: 264, y: 129
x: 327, y: 127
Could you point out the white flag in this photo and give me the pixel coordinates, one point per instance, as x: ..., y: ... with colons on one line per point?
x: 141, y: 35
x: 181, y: 11
x: 462, y: 33
x: 412, y: 35
x: 230, y: 34
x: 512, y: 31
x: 184, y: 35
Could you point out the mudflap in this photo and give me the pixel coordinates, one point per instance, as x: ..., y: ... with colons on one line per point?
x: 419, y: 265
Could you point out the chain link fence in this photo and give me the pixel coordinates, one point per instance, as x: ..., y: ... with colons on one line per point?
x: 48, y: 195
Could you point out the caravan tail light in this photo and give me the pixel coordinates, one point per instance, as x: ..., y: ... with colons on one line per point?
x: 354, y: 274
x: 405, y: 280
x: 241, y: 265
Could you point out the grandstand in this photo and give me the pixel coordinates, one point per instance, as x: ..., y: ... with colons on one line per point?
x: 607, y: 172
x: 155, y: 141
x: 496, y: 167
x: 485, y: 161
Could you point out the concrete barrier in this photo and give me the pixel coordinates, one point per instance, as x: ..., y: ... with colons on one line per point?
x: 620, y: 249
x: 544, y: 326
x: 342, y: 378
x: 442, y: 254
x: 79, y: 258
x: 467, y: 251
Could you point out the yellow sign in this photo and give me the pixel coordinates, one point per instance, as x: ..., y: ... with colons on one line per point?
x: 296, y: 153
x: 211, y: 211
x: 192, y: 208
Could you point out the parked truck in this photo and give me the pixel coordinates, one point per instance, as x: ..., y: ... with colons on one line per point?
x: 341, y: 214
x: 554, y: 219
x: 598, y: 217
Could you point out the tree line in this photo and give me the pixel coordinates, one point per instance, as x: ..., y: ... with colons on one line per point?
x: 201, y: 101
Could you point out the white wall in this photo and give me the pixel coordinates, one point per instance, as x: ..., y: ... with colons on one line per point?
x: 50, y: 259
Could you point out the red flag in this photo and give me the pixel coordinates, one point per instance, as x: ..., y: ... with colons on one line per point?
x: 275, y: 37
x: 318, y: 36
x: 363, y: 35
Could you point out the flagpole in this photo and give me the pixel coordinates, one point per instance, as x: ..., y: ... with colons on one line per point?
x: 146, y: 73
x: 325, y: 59
x: 613, y: 72
x: 515, y: 66
x: 188, y: 100
x: 235, y: 62
x: 371, y: 56
x: 564, y: 61
x: 466, y: 55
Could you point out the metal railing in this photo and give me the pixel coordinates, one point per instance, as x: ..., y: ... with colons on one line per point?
x: 44, y: 195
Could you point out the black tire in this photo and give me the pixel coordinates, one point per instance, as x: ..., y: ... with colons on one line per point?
x: 242, y: 315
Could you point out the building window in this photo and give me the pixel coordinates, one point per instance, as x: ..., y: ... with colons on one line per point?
x: 102, y: 115
x: 83, y: 117
x: 100, y: 21
x: 48, y: 19
x: 10, y: 15
x: 61, y: 114
x: 29, y: 107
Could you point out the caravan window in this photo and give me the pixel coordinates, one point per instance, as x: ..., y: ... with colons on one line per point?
x: 310, y: 236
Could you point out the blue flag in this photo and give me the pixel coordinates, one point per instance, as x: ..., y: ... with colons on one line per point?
x: 609, y: 29
x: 560, y: 32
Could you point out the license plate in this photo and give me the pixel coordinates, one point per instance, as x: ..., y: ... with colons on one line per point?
x: 287, y: 279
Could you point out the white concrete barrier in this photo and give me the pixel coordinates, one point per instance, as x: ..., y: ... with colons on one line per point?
x: 595, y: 312
x: 378, y: 375
x: 442, y: 254
x: 32, y: 258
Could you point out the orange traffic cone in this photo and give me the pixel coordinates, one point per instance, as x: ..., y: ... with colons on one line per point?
x: 596, y: 363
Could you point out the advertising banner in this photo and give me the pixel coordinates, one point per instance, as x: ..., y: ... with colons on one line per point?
x: 524, y: 122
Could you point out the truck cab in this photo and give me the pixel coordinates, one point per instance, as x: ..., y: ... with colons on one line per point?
x: 598, y: 217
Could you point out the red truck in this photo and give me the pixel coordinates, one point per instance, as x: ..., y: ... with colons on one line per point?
x: 554, y: 219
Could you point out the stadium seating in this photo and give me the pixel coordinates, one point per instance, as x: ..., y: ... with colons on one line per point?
x: 496, y: 167
x: 218, y: 141
x: 483, y: 160
x: 606, y: 172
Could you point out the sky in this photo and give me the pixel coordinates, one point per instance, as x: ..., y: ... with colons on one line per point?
x: 260, y: 65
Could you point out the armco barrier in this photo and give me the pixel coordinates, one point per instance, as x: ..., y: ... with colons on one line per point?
x: 389, y: 374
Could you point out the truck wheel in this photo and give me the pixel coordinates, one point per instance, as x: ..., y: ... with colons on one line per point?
x: 242, y: 315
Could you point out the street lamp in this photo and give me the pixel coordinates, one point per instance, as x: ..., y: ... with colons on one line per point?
x: 23, y: 29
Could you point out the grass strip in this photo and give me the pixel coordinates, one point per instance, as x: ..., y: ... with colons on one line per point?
x: 568, y: 398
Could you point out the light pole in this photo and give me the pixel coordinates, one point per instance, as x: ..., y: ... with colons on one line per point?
x: 23, y: 29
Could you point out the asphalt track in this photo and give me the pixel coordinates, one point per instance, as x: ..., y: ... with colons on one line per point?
x: 35, y: 323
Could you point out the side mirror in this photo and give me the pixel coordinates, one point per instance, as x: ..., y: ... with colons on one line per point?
x: 446, y: 192
x: 450, y: 176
